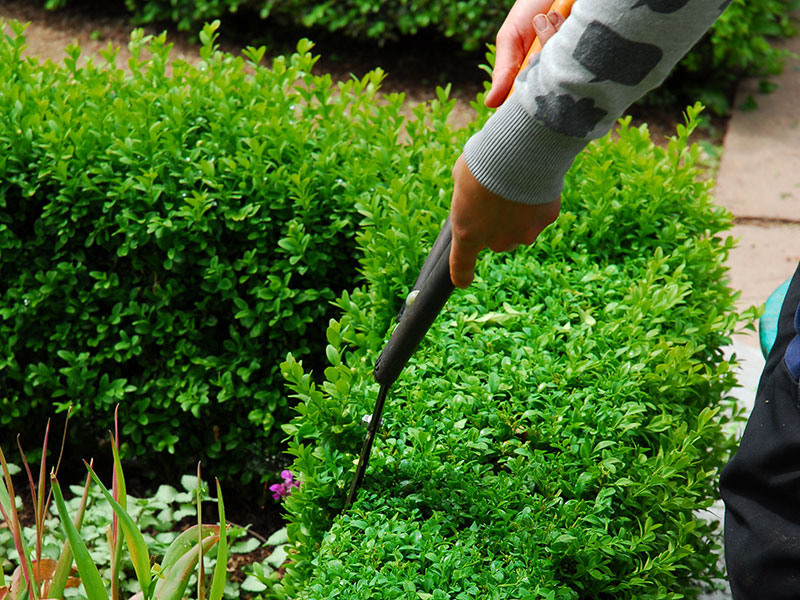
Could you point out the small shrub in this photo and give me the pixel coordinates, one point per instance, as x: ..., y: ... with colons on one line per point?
x: 559, y: 430
x: 169, y: 232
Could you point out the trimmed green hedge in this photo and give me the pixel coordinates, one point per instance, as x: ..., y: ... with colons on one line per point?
x: 169, y: 232
x: 559, y: 432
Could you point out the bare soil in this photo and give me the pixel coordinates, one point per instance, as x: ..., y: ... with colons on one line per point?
x: 414, y: 66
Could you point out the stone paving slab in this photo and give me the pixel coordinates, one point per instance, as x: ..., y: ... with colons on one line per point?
x: 766, y: 255
x: 759, y: 182
x: 759, y: 175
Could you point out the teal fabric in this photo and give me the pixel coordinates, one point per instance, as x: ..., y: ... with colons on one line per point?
x: 768, y: 325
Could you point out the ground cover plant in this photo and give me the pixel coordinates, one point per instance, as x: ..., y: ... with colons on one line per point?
x: 168, y: 232
x: 558, y: 434
x: 167, y: 544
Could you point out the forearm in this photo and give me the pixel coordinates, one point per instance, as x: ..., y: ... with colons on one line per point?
x: 606, y: 56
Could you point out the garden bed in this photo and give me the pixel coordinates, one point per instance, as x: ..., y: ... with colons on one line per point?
x: 663, y: 266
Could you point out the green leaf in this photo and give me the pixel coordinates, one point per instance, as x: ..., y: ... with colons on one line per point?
x: 9, y: 513
x: 184, y: 544
x: 252, y: 584
x: 64, y: 565
x: 121, y: 496
x: 5, y: 499
x: 174, y: 578
x: 201, y: 576
x: 278, y: 557
x: 278, y: 538
x: 221, y: 568
x: 90, y: 576
x: 137, y: 548
x: 249, y: 544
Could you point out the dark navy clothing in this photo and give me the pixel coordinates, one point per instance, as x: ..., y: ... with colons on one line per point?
x: 792, y: 356
x: 761, y: 483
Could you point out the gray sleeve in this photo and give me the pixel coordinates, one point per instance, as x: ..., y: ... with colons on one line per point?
x: 606, y: 55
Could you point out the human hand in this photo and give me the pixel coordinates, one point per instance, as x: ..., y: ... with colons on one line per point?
x: 527, y: 20
x: 481, y: 219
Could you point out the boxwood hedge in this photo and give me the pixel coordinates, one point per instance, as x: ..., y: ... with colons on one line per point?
x: 559, y: 432
x: 168, y: 232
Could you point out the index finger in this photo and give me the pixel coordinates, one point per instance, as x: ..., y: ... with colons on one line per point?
x: 463, y: 257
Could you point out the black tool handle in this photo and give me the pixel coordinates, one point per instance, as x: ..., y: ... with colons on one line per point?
x: 439, y: 246
x: 418, y: 318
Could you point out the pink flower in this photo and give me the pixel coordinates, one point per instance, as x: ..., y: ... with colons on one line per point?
x: 282, y: 490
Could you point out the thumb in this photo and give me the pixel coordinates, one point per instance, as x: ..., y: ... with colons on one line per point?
x: 512, y: 45
x: 503, y: 77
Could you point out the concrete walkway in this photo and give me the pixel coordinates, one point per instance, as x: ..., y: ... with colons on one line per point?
x: 759, y: 182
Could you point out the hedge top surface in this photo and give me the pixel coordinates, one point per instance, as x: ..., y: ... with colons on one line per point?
x: 559, y: 429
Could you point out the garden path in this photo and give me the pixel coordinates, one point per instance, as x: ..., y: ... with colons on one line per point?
x: 759, y: 182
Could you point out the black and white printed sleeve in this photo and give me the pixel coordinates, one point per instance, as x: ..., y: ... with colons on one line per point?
x: 606, y: 56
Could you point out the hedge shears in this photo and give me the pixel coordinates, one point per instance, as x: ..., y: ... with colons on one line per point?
x: 428, y: 296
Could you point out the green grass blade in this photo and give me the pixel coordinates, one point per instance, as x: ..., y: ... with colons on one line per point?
x: 221, y: 568
x: 65, y: 559
x: 5, y: 499
x: 120, y: 494
x: 185, y: 542
x: 90, y: 576
x: 173, y: 581
x: 62, y: 572
x: 60, y: 452
x: 37, y: 502
x: 9, y: 511
x: 41, y: 509
x: 120, y: 491
x: 135, y: 541
x: 201, y: 576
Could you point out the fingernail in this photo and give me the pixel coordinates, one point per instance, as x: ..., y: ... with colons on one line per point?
x: 540, y: 22
x: 554, y: 17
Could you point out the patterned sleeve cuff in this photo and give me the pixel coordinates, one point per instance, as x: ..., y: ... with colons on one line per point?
x: 520, y: 159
